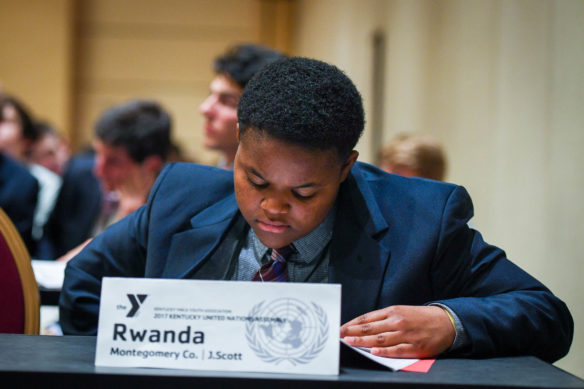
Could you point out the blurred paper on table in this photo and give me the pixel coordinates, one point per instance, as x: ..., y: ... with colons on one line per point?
x: 49, y: 274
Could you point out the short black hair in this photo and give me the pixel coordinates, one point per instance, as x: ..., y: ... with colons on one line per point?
x: 241, y: 62
x: 29, y: 130
x: 306, y: 102
x: 141, y: 127
x: 45, y: 128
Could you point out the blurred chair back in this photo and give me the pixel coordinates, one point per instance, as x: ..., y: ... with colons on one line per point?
x: 19, y: 294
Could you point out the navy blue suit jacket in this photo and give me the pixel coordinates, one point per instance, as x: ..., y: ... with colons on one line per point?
x: 76, y: 209
x: 395, y: 241
x: 18, y: 197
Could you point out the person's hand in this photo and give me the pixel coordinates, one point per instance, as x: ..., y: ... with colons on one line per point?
x: 402, y: 331
x: 73, y: 252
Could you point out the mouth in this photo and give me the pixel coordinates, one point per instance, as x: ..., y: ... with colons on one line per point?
x: 208, y: 129
x: 273, y: 226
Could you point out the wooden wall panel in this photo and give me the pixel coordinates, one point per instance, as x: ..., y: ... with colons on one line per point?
x: 36, y: 56
x: 163, y: 50
x: 220, y: 13
x: 146, y: 60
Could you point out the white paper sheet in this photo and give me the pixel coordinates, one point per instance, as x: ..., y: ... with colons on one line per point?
x: 391, y: 363
x: 49, y: 274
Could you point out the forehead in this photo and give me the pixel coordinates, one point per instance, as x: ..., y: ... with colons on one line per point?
x: 222, y: 83
x: 49, y: 141
x: 45, y: 145
x: 110, y: 151
x: 277, y: 158
x: 9, y: 114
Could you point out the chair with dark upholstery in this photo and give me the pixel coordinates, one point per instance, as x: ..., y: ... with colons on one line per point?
x: 19, y: 294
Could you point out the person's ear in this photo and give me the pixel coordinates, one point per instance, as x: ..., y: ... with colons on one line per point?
x: 348, y: 164
x: 237, y: 132
x: 153, y: 164
x: 27, y: 146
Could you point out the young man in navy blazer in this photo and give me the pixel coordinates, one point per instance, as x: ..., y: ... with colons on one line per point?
x: 416, y: 281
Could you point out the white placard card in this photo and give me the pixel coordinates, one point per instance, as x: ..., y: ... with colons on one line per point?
x: 219, y: 325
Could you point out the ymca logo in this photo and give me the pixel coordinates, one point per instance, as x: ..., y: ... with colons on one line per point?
x: 136, y: 300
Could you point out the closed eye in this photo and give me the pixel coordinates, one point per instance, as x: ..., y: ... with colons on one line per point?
x: 228, y: 100
x: 257, y: 184
x: 302, y: 196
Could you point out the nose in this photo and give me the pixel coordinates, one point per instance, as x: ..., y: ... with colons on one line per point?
x: 98, y: 169
x: 206, y: 106
x: 274, y: 206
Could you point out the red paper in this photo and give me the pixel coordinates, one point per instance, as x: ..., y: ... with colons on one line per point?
x: 422, y: 366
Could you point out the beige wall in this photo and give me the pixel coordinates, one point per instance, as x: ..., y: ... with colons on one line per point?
x: 501, y: 84
x: 340, y: 32
x: 36, y: 56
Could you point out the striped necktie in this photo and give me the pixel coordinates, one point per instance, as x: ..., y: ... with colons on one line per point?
x: 276, y: 269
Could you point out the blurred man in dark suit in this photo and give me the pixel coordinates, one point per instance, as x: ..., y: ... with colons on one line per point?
x: 131, y: 144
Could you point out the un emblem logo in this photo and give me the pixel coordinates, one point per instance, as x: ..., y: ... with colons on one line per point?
x: 298, y: 338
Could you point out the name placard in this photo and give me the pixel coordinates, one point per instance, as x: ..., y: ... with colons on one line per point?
x: 219, y: 325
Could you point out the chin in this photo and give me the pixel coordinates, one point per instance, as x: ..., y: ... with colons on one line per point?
x: 207, y: 144
x: 210, y: 145
x: 273, y: 242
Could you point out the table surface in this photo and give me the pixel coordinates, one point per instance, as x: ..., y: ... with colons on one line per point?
x: 68, y: 361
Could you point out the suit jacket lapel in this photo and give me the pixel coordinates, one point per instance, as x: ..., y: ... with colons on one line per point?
x: 219, y: 265
x: 189, y: 249
x: 358, y: 256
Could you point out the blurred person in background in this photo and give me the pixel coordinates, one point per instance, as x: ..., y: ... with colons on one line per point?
x: 413, y: 155
x: 233, y: 70
x: 18, y: 131
x: 51, y: 149
x: 18, y: 135
x: 18, y: 196
x: 131, y: 144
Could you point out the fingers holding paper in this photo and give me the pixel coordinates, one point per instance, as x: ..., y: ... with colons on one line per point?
x: 402, y: 331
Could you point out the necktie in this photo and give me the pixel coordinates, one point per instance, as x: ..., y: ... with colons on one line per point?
x: 276, y: 269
